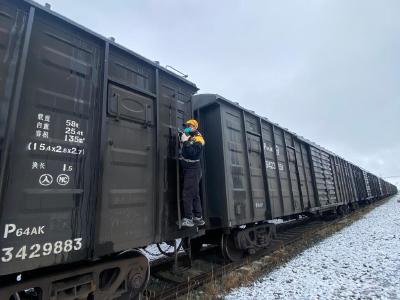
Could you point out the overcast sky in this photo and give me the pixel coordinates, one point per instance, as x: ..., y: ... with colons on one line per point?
x: 326, y: 69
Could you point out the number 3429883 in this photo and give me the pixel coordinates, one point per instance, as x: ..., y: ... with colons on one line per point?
x: 38, y: 250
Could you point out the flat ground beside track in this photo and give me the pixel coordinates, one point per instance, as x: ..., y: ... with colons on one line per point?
x: 361, y: 261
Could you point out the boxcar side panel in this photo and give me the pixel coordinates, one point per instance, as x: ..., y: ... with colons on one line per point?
x: 283, y: 168
x: 214, y: 201
x: 306, y: 182
x: 128, y: 183
x: 129, y: 173
x: 287, y: 197
x: 256, y: 168
x: 351, y: 182
x: 344, y: 181
x: 13, y: 21
x: 380, y: 187
x: 273, y: 180
x: 236, y: 171
x: 340, y: 185
x: 293, y: 172
x: 360, y: 183
x: 374, y: 185
x: 324, y: 177
x: 300, y: 171
x: 312, y: 201
x: 367, y: 184
x: 52, y: 165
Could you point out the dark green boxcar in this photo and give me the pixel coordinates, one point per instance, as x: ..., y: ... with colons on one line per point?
x: 87, y: 142
x: 260, y: 171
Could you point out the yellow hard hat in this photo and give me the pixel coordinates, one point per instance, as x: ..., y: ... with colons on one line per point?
x: 193, y: 122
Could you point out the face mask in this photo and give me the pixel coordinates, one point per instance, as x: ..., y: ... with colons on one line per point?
x: 188, y: 130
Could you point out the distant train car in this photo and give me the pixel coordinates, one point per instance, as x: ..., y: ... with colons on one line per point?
x: 257, y: 171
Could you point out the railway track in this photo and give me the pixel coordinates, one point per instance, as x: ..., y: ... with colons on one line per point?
x: 209, y: 266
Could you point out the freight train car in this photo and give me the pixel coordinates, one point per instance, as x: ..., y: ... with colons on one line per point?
x: 88, y: 157
x: 257, y: 171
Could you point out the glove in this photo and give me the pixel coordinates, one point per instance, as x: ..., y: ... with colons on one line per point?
x: 184, y: 138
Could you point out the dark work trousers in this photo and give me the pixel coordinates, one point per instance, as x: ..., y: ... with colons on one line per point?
x: 191, y: 189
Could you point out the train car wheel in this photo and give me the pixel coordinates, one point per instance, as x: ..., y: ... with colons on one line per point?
x: 229, y: 249
x: 136, y: 283
x: 341, y: 210
x: 135, y: 280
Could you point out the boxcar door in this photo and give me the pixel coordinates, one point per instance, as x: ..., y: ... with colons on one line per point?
x: 127, y: 216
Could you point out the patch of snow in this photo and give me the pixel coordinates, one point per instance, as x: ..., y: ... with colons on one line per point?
x: 276, y: 221
x: 361, y: 261
x: 281, y: 221
x: 152, y: 252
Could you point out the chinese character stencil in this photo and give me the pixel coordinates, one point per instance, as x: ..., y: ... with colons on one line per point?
x: 40, y: 117
x: 34, y: 165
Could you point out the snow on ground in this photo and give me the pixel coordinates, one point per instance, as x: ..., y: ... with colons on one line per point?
x: 361, y: 261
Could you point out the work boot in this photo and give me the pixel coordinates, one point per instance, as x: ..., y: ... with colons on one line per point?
x: 198, y: 221
x: 187, y: 222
